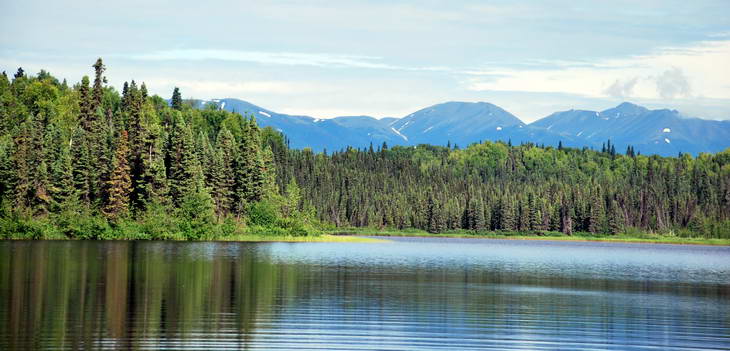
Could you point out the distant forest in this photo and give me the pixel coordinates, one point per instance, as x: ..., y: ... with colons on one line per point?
x: 86, y: 161
x: 495, y: 186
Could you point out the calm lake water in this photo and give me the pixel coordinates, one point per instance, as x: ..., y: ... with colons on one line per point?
x: 412, y: 294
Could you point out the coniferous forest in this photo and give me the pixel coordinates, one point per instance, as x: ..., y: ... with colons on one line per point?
x: 87, y: 161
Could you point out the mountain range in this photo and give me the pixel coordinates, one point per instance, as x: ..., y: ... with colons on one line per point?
x: 662, y: 132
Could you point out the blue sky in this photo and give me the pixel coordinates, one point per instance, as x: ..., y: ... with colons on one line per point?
x: 390, y: 58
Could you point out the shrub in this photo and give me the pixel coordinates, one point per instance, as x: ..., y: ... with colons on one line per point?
x: 262, y: 213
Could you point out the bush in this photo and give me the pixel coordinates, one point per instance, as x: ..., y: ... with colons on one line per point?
x: 262, y: 213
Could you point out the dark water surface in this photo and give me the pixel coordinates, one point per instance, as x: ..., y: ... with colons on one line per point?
x: 412, y: 294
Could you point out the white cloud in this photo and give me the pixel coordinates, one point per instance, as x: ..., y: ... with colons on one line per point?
x: 622, y: 89
x: 673, y: 83
x: 281, y: 58
x: 207, y: 89
x: 666, y: 74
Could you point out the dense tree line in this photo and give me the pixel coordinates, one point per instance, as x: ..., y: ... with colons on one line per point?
x: 87, y: 161
x: 87, y: 151
x: 495, y: 186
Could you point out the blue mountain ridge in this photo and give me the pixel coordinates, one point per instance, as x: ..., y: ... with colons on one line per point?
x: 662, y: 132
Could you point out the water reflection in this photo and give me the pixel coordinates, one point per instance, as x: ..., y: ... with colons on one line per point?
x: 408, y: 295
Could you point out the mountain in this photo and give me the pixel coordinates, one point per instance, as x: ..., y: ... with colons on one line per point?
x: 456, y: 122
x: 316, y: 133
x: 662, y: 132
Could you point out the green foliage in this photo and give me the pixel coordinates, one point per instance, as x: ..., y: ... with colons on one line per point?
x: 204, y: 174
x: 262, y: 213
x: 176, y: 101
x: 67, y: 156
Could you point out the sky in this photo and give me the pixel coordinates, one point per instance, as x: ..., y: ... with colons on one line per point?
x: 389, y: 58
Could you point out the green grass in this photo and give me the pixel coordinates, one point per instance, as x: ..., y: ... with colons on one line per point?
x: 632, y: 237
x: 299, y: 239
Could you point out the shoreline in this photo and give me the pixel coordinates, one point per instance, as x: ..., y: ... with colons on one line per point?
x: 366, y: 236
x: 645, y: 239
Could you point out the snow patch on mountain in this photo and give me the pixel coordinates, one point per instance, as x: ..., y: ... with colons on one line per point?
x: 398, y: 132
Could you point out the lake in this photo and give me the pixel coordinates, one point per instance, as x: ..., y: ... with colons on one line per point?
x: 410, y: 294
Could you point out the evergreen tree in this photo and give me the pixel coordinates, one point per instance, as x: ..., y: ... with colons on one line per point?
x: 20, y: 73
x: 596, y: 219
x: 86, y: 114
x: 183, y: 164
x: 99, y: 79
x: 120, y: 185
x: 249, y: 168
x: 292, y: 200
x: 81, y: 165
x: 63, y: 190
x: 176, y: 101
x: 507, y: 216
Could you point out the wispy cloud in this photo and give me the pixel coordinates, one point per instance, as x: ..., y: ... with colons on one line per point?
x: 281, y: 58
x: 222, y: 88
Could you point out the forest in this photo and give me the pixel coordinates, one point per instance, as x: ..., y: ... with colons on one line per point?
x: 86, y: 161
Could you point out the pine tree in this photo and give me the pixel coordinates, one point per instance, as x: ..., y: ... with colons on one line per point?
x: 596, y: 219
x: 143, y: 92
x: 81, y: 165
x: 154, y: 178
x: 99, y: 79
x: 249, y: 169
x: 478, y: 223
x: 507, y: 216
x: 63, y: 190
x: 615, y: 222
x: 41, y: 201
x: 292, y: 200
x: 120, y: 185
x: 535, y: 221
x: 20, y: 73
x: 7, y: 168
x: 24, y: 157
x: 176, y: 101
x: 566, y: 220
x: 269, y: 187
x: 86, y: 114
x: 435, y: 216
x: 183, y: 164
x: 223, y: 170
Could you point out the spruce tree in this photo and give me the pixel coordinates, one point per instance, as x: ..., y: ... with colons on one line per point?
x: 154, y: 179
x: 20, y: 73
x: 596, y: 219
x: 249, y: 168
x: 63, y: 190
x: 183, y: 164
x: 120, y: 185
x: 99, y: 79
x: 81, y: 165
x: 85, y: 105
x: 176, y: 101
x: 507, y: 215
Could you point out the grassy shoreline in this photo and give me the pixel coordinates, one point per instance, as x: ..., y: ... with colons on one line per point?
x: 649, y: 238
